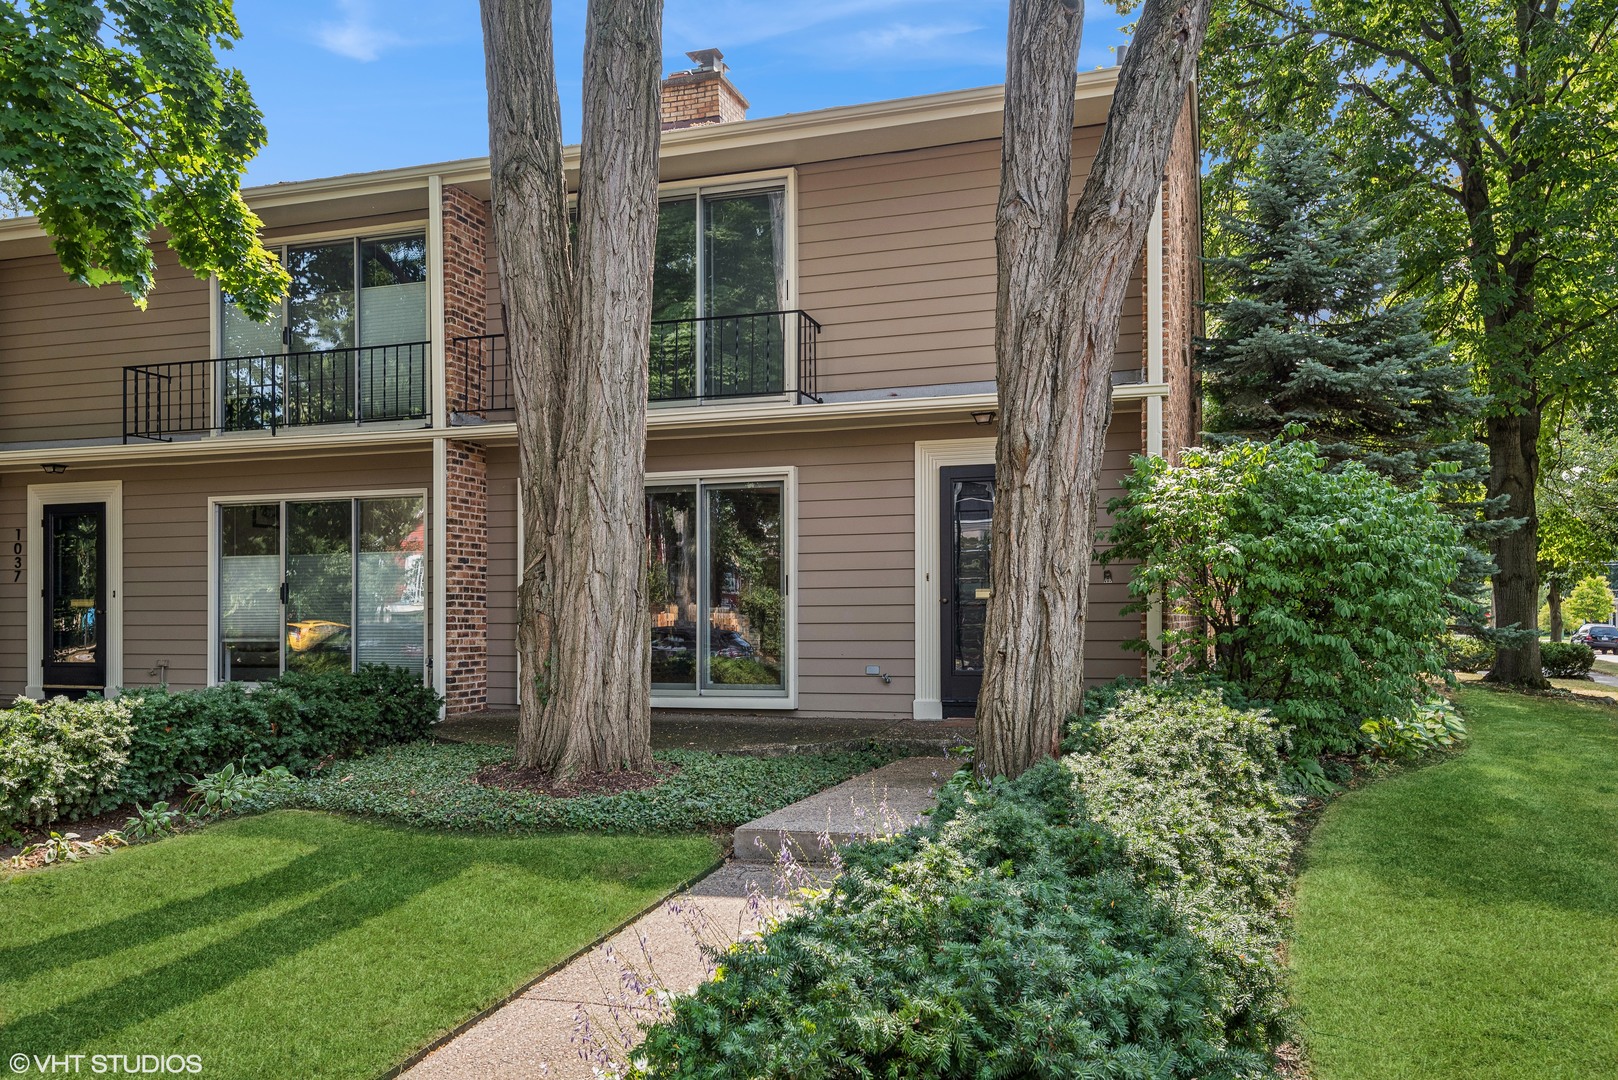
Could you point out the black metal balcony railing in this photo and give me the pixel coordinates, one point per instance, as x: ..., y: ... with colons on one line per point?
x: 266, y: 393
x: 702, y: 359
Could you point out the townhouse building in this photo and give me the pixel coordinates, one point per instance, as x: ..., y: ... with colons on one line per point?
x: 193, y: 498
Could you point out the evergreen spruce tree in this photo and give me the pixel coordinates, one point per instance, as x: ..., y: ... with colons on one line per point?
x: 1306, y: 333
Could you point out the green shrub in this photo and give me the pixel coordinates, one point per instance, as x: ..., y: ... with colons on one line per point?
x: 61, y: 757
x: 1566, y: 660
x: 293, y: 721
x: 1463, y: 652
x: 1320, y: 592
x: 1078, y: 921
x: 1191, y: 789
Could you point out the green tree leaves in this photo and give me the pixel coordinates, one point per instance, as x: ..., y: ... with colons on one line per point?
x: 120, y: 124
x: 1322, y: 592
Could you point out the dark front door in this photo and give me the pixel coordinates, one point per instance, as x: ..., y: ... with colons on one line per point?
x: 967, y: 499
x: 75, y: 660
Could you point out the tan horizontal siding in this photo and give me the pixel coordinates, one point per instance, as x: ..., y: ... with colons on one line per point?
x: 896, y: 260
x: 166, y: 548
x: 855, y: 582
x: 63, y: 346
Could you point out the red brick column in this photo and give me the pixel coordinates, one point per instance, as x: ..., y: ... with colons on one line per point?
x: 466, y: 299
x: 466, y: 645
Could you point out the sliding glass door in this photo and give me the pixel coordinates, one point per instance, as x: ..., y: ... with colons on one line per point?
x: 719, y: 292
x: 718, y: 587
x: 348, y: 345
x: 321, y: 585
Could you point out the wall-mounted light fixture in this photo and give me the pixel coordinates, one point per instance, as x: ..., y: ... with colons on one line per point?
x: 1106, y: 575
x: 986, y: 416
x: 55, y: 468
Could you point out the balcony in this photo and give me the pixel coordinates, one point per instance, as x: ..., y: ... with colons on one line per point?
x: 195, y: 398
x: 692, y: 362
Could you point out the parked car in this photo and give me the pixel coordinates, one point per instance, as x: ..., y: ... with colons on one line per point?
x: 1602, y: 637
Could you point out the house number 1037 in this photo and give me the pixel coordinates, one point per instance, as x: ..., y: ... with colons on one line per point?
x: 16, y: 558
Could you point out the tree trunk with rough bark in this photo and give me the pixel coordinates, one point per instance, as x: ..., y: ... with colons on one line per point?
x: 1553, y: 601
x: 578, y: 325
x: 1062, y: 283
x: 1513, y: 441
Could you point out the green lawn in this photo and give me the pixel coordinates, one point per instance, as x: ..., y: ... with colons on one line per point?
x: 296, y: 944
x: 1461, y: 921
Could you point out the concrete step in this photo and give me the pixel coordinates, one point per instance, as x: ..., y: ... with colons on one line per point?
x: 881, y: 802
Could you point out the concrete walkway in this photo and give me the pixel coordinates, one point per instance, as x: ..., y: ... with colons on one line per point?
x: 882, y: 802
x: 541, y: 1032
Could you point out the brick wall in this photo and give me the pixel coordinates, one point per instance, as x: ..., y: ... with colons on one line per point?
x: 697, y: 98
x: 466, y: 301
x: 1182, y: 284
x: 466, y: 652
x: 1182, y: 301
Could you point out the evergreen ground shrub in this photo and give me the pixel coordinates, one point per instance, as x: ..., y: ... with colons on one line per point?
x: 1111, y: 913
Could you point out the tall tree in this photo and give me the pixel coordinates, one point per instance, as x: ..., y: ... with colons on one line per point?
x: 1482, y: 133
x: 1062, y: 281
x: 119, y: 121
x: 578, y: 320
x: 1307, y: 334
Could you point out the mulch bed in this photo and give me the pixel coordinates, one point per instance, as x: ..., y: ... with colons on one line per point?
x: 536, y: 781
x: 88, y: 828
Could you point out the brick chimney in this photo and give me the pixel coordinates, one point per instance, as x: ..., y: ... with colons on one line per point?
x: 703, y: 95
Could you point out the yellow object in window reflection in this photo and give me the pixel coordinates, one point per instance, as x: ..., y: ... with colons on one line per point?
x: 306, y: 635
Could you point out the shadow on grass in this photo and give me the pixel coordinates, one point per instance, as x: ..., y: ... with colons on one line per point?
x: 344, y: 881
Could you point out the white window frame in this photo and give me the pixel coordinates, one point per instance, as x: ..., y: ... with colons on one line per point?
x: 700, y: 698
x: 110, y: 493
x: 737, y: 184
x: 217, y: 501
x: 930, y: 457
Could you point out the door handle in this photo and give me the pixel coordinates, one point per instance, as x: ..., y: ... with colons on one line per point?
x: 943, y: 599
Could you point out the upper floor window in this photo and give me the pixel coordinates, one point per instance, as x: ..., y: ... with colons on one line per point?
x: 343, y: 294
x: 349, y: 344
x: 720, y: 291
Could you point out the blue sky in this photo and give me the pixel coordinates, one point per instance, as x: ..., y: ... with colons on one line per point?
x: 353, y: 85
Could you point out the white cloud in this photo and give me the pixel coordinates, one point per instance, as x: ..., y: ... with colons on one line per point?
x: 358, y: 36
x: 910, y: 43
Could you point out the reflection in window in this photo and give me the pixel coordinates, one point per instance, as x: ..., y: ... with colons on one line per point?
x: 354, y: 572
x: 719, y: 282
x: 302, y: 366
x: 671, y: 534
x: 320, y: 586
x: 746, y: 613
x: 718, y: 608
